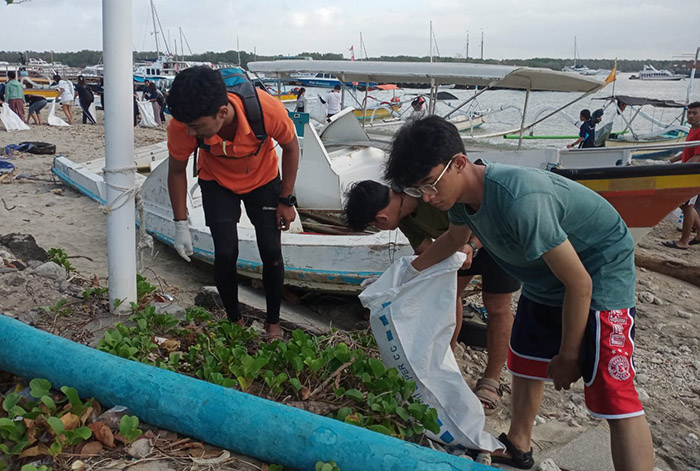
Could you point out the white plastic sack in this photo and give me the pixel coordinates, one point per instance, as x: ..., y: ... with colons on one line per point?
x: 10, y: 120
x: 53, y: 119
x: 146, y: 110
x: 413, y: 324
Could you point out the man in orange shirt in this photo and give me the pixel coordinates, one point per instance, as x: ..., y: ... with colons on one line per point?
x: 233, y: 166
x: 691, y: 216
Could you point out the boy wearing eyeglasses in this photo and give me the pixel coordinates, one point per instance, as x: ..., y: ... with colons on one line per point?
x: 233, y: 167
x: 575, y: 257
x: 369, y: 202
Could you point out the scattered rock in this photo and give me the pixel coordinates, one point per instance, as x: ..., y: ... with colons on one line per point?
x: 175, y: 310
x: 642, y: 378
x: 684, y: 314
x: 113, y: 416
x: 539, y: 420
x: 643, y: 395
x: 208, y: 298
x: 548, y: 465
x: 645, y: 297
x: 684, y: 293
x: 51, y: 271
x: 160, y: 465
x: 24, y: 247
x: 140, y: 449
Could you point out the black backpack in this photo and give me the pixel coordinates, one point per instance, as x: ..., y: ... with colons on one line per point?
x: 85, y: 94
x: 238, y: 83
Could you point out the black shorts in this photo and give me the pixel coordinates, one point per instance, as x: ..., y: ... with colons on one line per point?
x: 494, y: 279
x: 222, y: 205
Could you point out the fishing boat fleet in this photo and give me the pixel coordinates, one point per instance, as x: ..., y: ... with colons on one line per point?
x: 320, y: 253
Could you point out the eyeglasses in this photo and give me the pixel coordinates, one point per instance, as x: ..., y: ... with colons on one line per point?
x: 429, y: 188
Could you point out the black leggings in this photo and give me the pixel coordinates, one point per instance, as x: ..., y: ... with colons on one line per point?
x: 86, y: 112
x: 222, y: 211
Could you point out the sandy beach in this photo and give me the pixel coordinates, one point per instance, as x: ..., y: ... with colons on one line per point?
x: 34, y: 202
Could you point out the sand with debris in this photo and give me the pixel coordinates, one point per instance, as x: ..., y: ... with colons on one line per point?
x: 667, y: 336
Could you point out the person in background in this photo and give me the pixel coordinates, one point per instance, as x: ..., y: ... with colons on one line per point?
x: 333, y: 98
x: 417, y: 107
x: 14, y: 94
x: 36, y: 104
x: 86, y: 97
x: 2, y: 93
x: 67, y: 96
x: 575, y: 257
x: 301, y: 101
x: 586, y: 132
x: 691, y: 218
x: 136, y: 107
x: 370, y: 202
x: 207, y: 119
x: 151, y: 94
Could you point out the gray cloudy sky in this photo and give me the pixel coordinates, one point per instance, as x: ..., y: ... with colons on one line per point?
x: 631, y: 29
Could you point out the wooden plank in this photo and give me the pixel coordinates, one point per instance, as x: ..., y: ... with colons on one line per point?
x: 673, y: 268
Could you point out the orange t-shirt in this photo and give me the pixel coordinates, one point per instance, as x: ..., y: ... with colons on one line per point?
x: 240, y: 175
x: 690, y: 152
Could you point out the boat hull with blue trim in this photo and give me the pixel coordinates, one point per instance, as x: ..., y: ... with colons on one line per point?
x: 313, y: 261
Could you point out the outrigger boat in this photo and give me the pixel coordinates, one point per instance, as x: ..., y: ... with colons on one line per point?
x: 663, y: 133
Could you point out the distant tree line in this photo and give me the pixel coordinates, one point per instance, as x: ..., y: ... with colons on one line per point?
x: 85, y: 57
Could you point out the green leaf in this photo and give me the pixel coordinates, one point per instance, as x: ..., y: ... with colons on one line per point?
x: 343, y: 412
x: 377, y: 367
x: 39, y: 387
x: 56, y: 425
x: 77, y: 407
x: 10, y: 401
x: 403, y: 413
x: 48, y: 402
x: 381, y: 429
x: 296, y: 384
x: 354, y: 394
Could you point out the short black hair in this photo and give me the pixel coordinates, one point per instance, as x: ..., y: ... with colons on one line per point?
x: 57, y: 78
x: 337, y: 87
x: 695, y: 104
x: 196, y: 92
x: 11, y: 74
x: 362, y: 203
x: 586, y: 114
x: 418, y: 147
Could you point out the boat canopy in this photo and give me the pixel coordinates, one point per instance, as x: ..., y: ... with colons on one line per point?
x: 639, y: 101
x: 481, y: 75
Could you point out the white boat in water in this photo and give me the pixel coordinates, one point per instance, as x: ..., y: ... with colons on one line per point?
x: 651, y: 73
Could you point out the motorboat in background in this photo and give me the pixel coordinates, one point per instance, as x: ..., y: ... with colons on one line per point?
x: 650, y: 73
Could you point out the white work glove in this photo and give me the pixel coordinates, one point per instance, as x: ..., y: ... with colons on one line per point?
x: 183, y: 240
x: 368, y: 281
x: 409, y: 274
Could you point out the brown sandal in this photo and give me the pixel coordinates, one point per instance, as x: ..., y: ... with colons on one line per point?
x: 273, y: 336
x: 489, y: 392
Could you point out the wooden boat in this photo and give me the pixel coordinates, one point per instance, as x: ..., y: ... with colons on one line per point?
x: 643, y: 195
x: 663, y: 133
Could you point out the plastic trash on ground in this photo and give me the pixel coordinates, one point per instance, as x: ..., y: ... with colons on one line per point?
x: 413, y: 324
x: 10, y: 120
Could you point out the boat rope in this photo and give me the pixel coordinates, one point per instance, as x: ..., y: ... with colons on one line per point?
x: 145, y: 240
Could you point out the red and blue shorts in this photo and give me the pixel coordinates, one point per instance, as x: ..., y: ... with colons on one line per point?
x: 606, y: 354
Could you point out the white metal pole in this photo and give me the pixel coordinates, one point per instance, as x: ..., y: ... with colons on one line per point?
x: 522, y: 121
x: 119, y: 151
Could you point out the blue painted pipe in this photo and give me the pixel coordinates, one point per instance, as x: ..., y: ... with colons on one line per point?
x: 230, y: 419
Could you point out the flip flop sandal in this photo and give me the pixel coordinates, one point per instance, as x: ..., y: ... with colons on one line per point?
x: 694, y: 242
x: 673, y: 245
x: 276, y: 336
x: 489, y: 392
x: 517, y: 459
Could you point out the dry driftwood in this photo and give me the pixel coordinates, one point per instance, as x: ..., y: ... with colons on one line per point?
x: 679, y: 270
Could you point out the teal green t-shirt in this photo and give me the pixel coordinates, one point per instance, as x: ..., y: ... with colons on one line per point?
x: 526, y: 212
